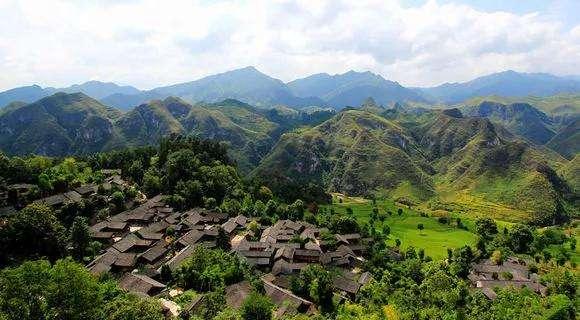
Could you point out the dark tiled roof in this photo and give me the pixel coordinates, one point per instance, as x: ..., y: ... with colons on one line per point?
x: 365, y: 278
x: 125, y: 259
x: 130, y: 241
x: 86, y: 189
x: 237, y: 293
x: 258, y: 261
x: 116, y: 225
x: 285, y: 300
x: 102, y: 235
x: 150, y: 236
x: 73, y: 196
x: 52, y: 200
x: 343, y: 284
x: 255, y: 254
x: 191, y: 237
x: 230, y: 225
x: 283, y: 267
x: 155, y: 252
x: 140, y: 284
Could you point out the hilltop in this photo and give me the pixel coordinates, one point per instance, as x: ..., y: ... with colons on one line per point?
x: 519, y: 118
x: 246, y: 84
x: 352, y: 89
x: 56, y: 125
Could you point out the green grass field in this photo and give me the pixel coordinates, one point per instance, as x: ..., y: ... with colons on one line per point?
x: 435, y: 238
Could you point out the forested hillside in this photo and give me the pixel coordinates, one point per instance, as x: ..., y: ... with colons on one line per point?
x: 430, y: 155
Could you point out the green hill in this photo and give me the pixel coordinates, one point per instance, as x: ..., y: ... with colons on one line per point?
x: 556, y: 104
x: 57, y: 124
x: 567, y: 141
x: 520, y: 118
x: 571, y: 172
x: 355, y: 152
x: 233, y: 122
x: 443, y: 156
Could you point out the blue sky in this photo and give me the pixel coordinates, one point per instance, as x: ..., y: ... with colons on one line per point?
x: 148, y: 43
x: 566, y: 10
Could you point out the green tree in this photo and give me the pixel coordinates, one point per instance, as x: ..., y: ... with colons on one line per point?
x: 151, y: 182
x: 37, y: 290
x: 213, y: 303
x: 561, y: 281
x: 44, y: 183
x: 256, y: 307
x: 259, y: 208
x: 386, y: 230
x: 349, y: 211
x: 296, y: 210
x: 521, y: 238
x: 118, y: 199
x: 230, y: 206
x: 136, y: 171
x: 497, y: 257
x: 265, y: 194
x: 344, y: 224
x: 315, y: 283
x: 271, y: 207
x: 420, y: 227
x: 207, y: 270
x: 486, y: 227
x: 228, y: 314
x: 34, y: 232
x: 131, y: 307
x: 374, y: 213
x: 79, y: 237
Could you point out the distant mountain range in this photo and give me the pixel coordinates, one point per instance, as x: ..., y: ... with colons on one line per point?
x: 352, y: 88
x: 323, y: 90
x: 506, y: 84
x: 95, y: 89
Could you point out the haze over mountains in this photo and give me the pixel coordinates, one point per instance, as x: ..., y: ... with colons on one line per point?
x: 338, y: 91
x: 508, y: 84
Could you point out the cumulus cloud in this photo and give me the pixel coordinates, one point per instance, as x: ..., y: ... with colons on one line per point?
x: 149, y: 43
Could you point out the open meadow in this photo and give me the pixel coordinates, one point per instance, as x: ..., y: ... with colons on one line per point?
x: 435, y: 238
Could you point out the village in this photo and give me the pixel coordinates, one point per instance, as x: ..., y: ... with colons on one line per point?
x: 139, y: 242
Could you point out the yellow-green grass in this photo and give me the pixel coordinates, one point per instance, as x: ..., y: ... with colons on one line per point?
x: 435, y: 238
x: 473, y: 206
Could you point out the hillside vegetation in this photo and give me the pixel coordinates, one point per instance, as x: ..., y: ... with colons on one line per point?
x: 64, y: 124
x: 443, y: 155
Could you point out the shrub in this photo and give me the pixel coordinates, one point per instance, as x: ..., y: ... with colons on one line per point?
x: 256, y: 307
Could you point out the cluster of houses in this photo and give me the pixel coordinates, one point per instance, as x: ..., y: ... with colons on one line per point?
x: 142, y: 240
x: 10, y: 194
x: 21, y: 191
x: 487, y: 275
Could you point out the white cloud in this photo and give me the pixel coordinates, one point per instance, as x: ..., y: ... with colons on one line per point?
x: 149, y: 43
